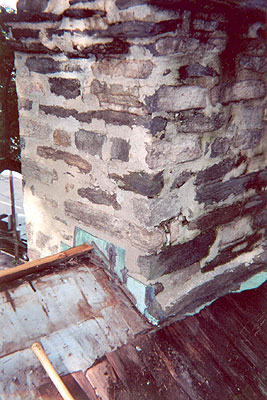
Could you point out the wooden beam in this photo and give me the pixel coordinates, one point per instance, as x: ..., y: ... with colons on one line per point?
x: 42, y: 263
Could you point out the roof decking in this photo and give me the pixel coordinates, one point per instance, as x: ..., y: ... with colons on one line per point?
x: 218, y: 354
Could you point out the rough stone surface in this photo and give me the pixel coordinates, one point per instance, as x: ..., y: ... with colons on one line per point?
x: 98, y: 196
x: 137, y: 69
x: 158, y: 124
x: 70, y: 159
x: 184, y: 149
x: 216, y: 172
x: 61, y: 138
x: 149, y: 185
x: 218, y: 191
x: 196, y: 70
x: 258, y: 64
x: 172, y: 45
x: 42, y: 240
x: 69, y: 88
x: 89, y: 142
x: 176, y: 257
x: 219, y: 147
x: 248, y: 138
x: 173, y: 98
x: 120, y: 149
x: 244, y: 90
x: 198, y: 122
x: 25, y: 104
x: 33, y: 170
x: 181, y: 179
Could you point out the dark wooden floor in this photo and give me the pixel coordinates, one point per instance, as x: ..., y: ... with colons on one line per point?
x: 218, y: 354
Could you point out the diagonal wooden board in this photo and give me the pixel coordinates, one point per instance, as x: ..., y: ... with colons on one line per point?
x: 42, y: 263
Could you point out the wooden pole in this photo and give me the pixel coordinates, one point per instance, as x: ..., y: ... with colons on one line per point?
x: 42, y: 263
x: 51, y: 372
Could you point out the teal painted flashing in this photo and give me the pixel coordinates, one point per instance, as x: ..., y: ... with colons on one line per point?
x: 254, y: 282
x: 64, y: 246
x: 81, y: 236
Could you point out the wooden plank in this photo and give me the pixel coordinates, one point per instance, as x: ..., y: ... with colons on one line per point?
x: 240, y: 374
x: 49, y: 392
x: 42, y: 263
x: 134, y: 374
x: 168, y: 387
x: 83, y: 382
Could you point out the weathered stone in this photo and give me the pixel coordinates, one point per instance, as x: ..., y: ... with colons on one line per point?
x: 133, y: 29
x: 149, y: 185
x: 61, y: 138
x: 215, y: 172
x: 176, y: 257
x: 32, y: 5
x: 258, y: 64
x: 205, y: 25
x: 25, y: 33
x: 148, y: 240
x: 231, y: 252
x: 158, y: 124
x: 32, y: 128
x: 260, y: 220
x: 25, y: 104
x: 137, y: 69
x: 181, y: 179
x: 90, y: 142
x: 219, y: 147
x: 123, y: 4
x: 252, y: 117
x: 59, y: 111
x: 72, y: 160
x: 248, y: 139
x: 98, y: 196
x: 226, y: 214
x: 43, y: 65
x: 79, y: 13
x: 173, y: 45
x: 41, y: 240
x: 244, y: 90
x: 218, y: 191
x: 175, y: 98
x: 153, y: 212
x: 95, y: 218
x: 115, y: 94
x: 69, y: 88
x: 196, y: 121
x: 33, y: 170
x: 196, y: 70
x: 183, y: 149
x: 109, y: 116
x: 120, y: 149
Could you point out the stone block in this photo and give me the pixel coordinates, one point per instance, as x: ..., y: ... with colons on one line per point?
x: 260, y: 220
x: 33, y: 170
x: 42, y: 240
x: 174, y: 45
x: 225, y: 214
x: 120, y: 149
x: 72, y: 160
x: 181, y: 179
x: 252, y: 117
x: 181, y: 150
x: 243, y: 90
x: 231, y: 252
x: 205, y: 25
x: 219, y: 147
x: 158, y: 124
x: 68, y: 88
x: 219, y: 191
x: 177, y: 98
x: 136, y: 69
x: 25, y: 104
x: 32, y: 128
x: 145, y: 239
x: 90, y: 142
x: 153, y: 212
x: 258, y: 64
x: 61, y: 138
x: 248, y: 138
x: 197, y: 122
x: 149, y: 185
x: 43, y: 65
x: 98, y: 196
x: 176, y: 257
x: 94, y: 218
x: 215, y: 172
x: 196, y: 70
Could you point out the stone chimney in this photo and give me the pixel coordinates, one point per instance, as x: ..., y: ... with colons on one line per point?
x: 142, y: 131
